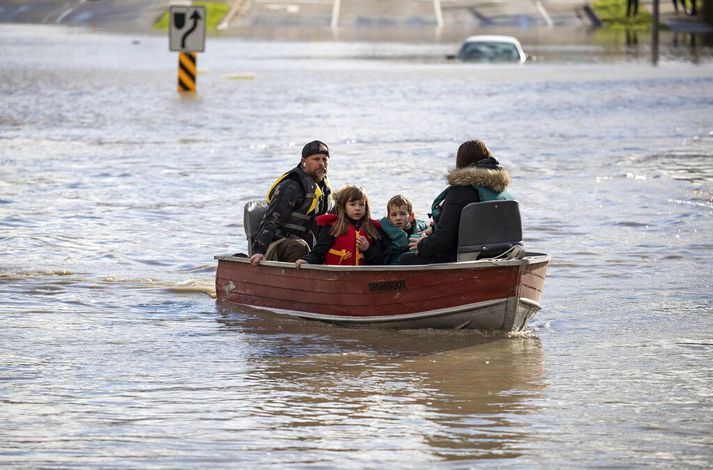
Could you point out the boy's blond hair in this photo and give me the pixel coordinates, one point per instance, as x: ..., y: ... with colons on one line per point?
x: 398, y: 201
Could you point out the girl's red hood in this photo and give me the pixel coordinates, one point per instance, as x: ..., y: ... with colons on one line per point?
x: 326, y: 219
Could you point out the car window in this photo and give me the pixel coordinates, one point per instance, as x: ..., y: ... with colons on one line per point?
x: 489, y: 52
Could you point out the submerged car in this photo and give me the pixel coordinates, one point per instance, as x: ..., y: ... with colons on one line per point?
x: 491, y: 49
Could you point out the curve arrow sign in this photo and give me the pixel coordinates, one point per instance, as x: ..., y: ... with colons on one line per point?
x: 196, y: 18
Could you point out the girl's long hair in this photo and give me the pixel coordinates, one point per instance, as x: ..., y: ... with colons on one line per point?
x: 347, y: 194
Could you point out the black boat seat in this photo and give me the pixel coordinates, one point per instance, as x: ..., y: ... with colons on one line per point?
x: 252, y: 216
x: 489, y: 229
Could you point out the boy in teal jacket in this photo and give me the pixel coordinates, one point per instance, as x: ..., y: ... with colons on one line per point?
x: 400, y: 224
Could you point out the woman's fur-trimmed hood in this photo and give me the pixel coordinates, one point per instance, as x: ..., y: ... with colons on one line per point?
x: 496, y: 180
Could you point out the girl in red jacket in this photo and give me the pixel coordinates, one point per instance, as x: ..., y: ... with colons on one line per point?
x: 349, y: 237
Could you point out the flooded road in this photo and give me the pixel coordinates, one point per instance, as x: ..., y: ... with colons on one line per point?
x: 116, y: 193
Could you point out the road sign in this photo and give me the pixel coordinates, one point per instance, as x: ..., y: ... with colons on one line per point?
x: 186, y: 30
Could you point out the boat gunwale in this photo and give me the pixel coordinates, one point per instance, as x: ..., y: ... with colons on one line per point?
x: 528, y: 259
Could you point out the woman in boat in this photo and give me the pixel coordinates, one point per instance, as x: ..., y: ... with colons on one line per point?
x: 350, y: 236
x: 477, y: 177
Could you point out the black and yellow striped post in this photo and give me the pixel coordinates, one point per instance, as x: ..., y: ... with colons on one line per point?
x: 187, y: 72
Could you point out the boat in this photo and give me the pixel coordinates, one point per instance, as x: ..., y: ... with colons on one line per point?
x: 488, y: 294
x: 495, y: 285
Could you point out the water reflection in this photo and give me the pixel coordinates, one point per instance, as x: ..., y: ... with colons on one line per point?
x: 479, y: 395
x: 636, y: 45
x: 451, y: 395
x: 685, y: 40
x: 632, y: 38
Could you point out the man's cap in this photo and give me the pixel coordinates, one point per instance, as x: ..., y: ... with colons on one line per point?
x: 315, y: 147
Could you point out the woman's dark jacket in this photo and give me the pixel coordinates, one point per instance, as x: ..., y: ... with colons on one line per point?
x: 442, y: 245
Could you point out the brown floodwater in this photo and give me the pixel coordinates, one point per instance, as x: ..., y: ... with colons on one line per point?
x: 116, y: 193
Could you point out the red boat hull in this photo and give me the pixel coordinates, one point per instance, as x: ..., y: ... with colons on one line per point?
x: 487, y: 294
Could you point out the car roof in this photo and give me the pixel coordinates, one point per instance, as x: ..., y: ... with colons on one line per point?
x: 492, y: 38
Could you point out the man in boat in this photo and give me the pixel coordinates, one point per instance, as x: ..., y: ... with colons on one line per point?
x: 478, y: 177
x: 288, y: 229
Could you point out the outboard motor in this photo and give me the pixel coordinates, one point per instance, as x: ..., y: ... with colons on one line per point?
x: 252, y: 216
x: 490, y: 229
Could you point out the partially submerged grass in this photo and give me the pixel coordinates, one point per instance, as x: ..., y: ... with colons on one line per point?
x: 215, y: 11
x: 613, y: 15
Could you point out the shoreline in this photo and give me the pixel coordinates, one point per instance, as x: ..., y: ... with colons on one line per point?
x: 563, y: 21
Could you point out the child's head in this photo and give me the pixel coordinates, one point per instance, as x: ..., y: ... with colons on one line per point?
x: 351, y: 202
x: 399, y: 211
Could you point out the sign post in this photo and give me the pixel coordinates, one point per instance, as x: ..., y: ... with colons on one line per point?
x: 186, y: 34
x: 655, y: 35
